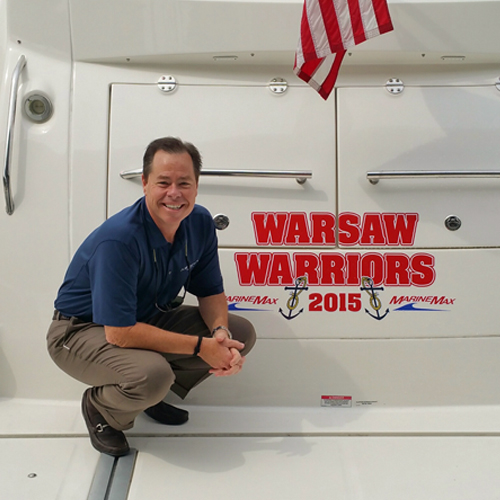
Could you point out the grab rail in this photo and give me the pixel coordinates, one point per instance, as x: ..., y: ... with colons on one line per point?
x: 300, y: 176
x: 374, y: 177
x: 14, y: 87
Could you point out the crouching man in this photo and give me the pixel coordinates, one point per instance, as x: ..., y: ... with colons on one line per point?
x: 119, y: 325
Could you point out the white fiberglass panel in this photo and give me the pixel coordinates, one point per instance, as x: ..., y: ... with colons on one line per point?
x: 409, y: 293
x: 34, y: 246
x: 372, y: 374
x: 451, y: 129
x: 378, y: 468
x: 234, y: 127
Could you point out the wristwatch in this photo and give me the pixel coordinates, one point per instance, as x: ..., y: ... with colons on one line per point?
x: 222, y: 328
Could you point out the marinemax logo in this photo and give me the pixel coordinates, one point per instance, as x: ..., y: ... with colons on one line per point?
x: 421, y: 302
x: 248, y: 302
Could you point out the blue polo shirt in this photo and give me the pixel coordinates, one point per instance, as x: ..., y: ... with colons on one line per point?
x: 113, y: 278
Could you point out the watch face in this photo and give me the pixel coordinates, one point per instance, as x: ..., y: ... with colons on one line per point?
x: 222, y: 328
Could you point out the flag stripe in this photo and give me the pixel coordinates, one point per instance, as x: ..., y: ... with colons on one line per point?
x: 327, y: 11
x: 329, y: 82
x: 308, y: 50
x: 383, y: 17
x: 328, y: 28
x: 358, y: 23
x: 344, y: 19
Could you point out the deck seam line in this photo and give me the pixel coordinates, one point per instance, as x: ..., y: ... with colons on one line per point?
x: 375, y: 434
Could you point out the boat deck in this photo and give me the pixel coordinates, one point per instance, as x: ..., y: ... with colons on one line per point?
x: 249, y: 453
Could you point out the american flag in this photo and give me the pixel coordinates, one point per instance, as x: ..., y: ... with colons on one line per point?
x: 327, y: 29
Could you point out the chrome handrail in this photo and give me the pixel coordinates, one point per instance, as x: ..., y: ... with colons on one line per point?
x: 300, y: 176
x: 374, y: 177
x: 14, y: 87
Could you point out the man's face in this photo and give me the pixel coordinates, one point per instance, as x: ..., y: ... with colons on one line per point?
x: 170, y: 190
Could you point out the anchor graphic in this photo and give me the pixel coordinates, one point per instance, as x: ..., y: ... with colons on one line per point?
x: 375, y: 302
x: 293, y: 301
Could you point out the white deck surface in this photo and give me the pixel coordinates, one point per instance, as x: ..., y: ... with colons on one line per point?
x: 251, y: 468
x: 46, y: 418
x: 293, y: 468
x: 46, y: 468
x: 261, y: 453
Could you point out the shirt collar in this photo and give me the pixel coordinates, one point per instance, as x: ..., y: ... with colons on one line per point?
x: 156, y: 237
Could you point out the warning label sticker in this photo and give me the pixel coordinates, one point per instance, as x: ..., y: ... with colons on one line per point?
x: 336, y: 401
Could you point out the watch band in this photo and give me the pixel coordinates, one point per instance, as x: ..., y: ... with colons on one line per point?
x: 222, y: 328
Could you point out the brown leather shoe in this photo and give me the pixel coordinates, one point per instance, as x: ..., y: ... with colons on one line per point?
x: 102, y: 436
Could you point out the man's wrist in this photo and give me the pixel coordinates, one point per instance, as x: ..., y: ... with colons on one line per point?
x: 198, y: 346
x: 221, y: 327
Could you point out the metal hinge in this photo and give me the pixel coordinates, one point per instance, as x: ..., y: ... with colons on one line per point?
x: 394, y: 86
x: 167, y: 83
x: 278, y: 86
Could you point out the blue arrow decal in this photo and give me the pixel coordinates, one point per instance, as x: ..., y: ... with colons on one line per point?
x: 411, y: 307
x: 234, y: 307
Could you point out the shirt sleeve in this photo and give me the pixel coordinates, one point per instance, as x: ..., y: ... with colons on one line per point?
x: 113, y: 273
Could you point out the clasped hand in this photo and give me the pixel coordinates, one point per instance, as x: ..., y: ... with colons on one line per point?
x: 223, y: 355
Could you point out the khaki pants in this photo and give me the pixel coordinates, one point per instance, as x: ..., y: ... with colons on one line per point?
x: 127, y: 381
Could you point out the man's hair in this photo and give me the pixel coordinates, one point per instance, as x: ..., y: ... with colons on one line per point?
x: 171, y: 145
